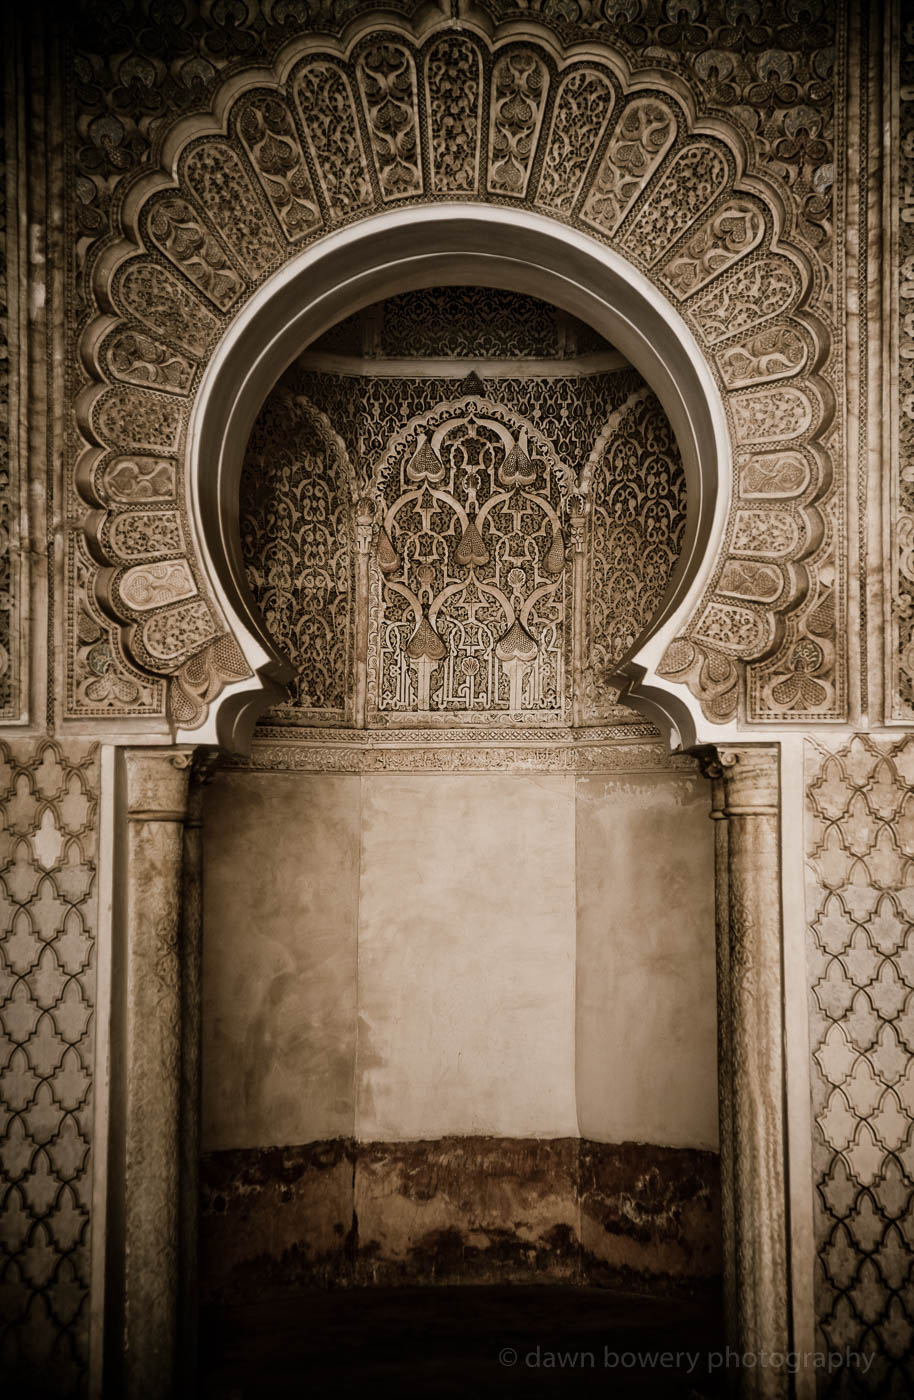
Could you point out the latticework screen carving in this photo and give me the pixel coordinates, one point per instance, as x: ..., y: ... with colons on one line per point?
x: 569, y: 411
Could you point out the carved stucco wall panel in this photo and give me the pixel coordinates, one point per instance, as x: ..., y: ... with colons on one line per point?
x: 14, y: 574
x: 7, y: 648
x: 900, y: 649
x: 721, y: 143
x: 49, y: 797
x: 298, y: 530
x: 553, y: 506
x: 860, y: 906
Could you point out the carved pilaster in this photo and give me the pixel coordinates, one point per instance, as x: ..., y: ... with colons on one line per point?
x: 191, y: 967
x: 751, y: 1058
x: 577, y: 522
x: 159, y: 1062
x: 364, y: 527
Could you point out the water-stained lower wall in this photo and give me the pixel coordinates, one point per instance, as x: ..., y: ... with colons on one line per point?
x: 460, y: 1210
x: 459, y: 1028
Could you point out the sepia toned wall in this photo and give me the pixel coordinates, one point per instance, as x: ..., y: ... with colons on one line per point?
x: 803, y: 638
x: 423, y: 992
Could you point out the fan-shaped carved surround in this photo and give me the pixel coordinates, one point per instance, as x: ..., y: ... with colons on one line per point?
x: 680, y: 253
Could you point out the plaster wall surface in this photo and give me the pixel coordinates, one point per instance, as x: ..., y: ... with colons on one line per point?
x: 646, y: 1011
x: 466, y: 956
x: 280, y: 960
x: 405, y: 957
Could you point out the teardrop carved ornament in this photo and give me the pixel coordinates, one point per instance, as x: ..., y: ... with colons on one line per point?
x: 332, y: 134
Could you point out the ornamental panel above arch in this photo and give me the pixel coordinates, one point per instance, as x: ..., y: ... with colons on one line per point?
x: 335, y: 130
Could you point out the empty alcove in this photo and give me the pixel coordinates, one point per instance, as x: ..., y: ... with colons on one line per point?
x: 459, y: 1001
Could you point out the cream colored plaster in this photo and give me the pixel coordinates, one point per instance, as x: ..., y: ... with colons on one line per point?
x: 646, y: 996
x: 279, y: 975
x: 466, y: 956
x: 443, y: 908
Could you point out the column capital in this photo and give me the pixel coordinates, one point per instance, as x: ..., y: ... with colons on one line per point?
x: 749, y: 774
x: 157, y: 780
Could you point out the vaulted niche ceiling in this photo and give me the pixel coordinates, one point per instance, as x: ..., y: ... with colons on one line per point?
x: 458, y: 506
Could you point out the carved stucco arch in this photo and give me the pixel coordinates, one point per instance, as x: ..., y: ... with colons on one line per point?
x: 291, y: 206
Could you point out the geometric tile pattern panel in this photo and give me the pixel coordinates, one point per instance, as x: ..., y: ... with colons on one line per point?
x: 697, y: 141
x: 48, y: 793
x: 860, y: 902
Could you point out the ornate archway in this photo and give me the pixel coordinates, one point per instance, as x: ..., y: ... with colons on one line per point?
x: 339, y: 148
x: 399, y: 159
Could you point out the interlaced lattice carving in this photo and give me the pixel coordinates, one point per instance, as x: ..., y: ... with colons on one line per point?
x: 463, y: 323
x: 860, y: 901
x: 568, y: 411
x: 471, y: 584
x: 296, y: 503
x: 47, y: 993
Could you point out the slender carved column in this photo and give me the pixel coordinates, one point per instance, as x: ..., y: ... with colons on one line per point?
x: 579, y: 575
x: 191, y: 968
x: 750, y: 992
x: 724, y: 1067
x: 364, y: 522
x: 155, y: 990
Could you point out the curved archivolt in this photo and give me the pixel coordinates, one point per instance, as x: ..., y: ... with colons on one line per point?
x: 333, y: 135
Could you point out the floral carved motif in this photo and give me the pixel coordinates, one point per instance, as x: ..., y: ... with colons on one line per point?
x: 387, y: 79
x: 453, y: 77
x: 519, y: 86
x: 642, y: 137
x: 10, y: 586
x: 456, y: 543
x: 267, y: 130
x: 471, y: 578
x: 582, y: 110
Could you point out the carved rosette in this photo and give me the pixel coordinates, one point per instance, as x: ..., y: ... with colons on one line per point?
x: 341, y: 136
